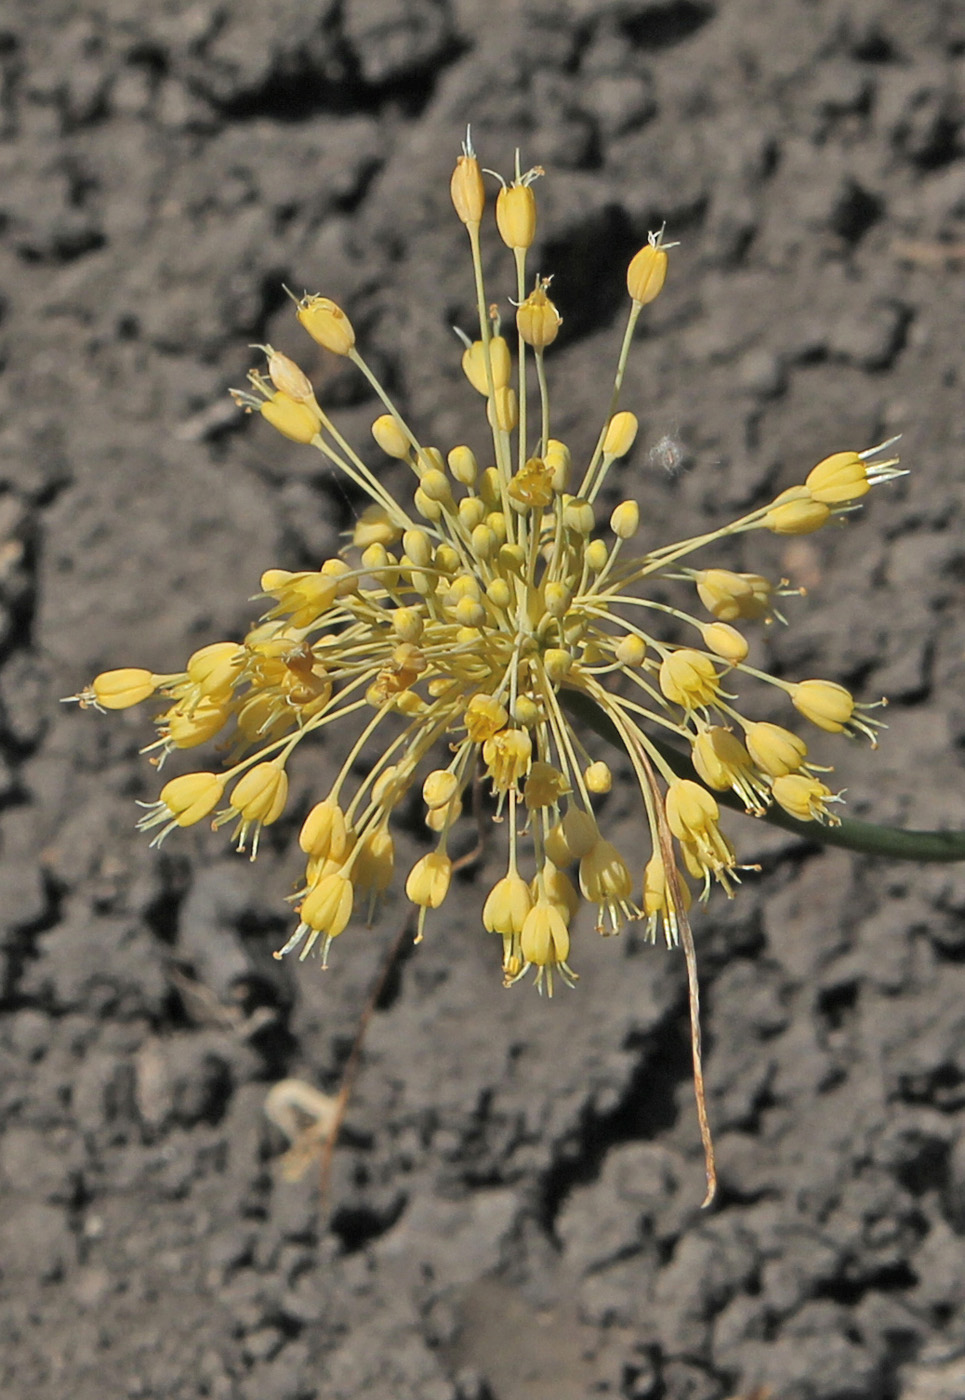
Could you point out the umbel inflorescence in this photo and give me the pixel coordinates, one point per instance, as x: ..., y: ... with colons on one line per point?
x: 450, y: 628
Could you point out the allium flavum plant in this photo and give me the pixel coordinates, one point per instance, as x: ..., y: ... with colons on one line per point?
x: 453, y: 625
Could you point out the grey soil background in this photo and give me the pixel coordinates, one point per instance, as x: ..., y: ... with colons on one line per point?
x: 513, y: 1213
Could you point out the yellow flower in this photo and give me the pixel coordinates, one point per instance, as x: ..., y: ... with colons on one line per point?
x: 182, y: 802
x: 775, y: 750
x: 448, y: 635
x: 119, y: 690
x: 428, y: 882
x: 722, y: 762
x: 689, y: 678
x: 545, y: 944
x: 806, y: 798
x: 290, y: 418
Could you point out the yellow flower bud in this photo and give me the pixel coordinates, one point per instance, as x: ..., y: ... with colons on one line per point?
x: 471, y: 511
x: 725, y: 641
x: 630, y: 650
x: 598, y: 777
x: 689, y: 678
x: 776, y: 751
x: 428, y: 508
x: 439, y: 788
x: 647, y: 272
x: 625, y: 520
x: 620, y: 435
x: 327, y: 324
x: 578, y: 515
x: 468, y: 612
x: 537, y: 319
x: 408, y: 624
x: 418, y: 547
x: 428, y: 880
x: 557, y: 663
x: 292, y: 419
x: 498, y: 591
x: 463, y: 465
x: 324, y: 834
x: 558, y: 598
x: 467, y: 190
x: 824, y: 703
x: 596, y: 554
x: 192, y: 796
x: 376, y: 557
x: 435, y: 485
x: 526, y: 711
x: 805, y: 797
x: 390, y: 437
x: 516, y: 216
x: 119, y: 690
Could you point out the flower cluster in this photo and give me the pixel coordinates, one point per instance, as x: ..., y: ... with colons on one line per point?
x: 453, y: 630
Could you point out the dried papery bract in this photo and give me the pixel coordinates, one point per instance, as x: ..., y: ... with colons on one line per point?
x: 461, y: 618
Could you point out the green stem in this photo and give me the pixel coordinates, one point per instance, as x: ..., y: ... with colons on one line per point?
x: 852, y: 834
